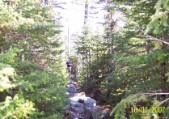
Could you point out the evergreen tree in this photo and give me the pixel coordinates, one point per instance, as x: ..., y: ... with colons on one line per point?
x: 30, y: 46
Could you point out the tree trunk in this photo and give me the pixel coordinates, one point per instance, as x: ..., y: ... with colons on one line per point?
x: 127, y: 113
x: 46, y: 2
x: 86, y: 12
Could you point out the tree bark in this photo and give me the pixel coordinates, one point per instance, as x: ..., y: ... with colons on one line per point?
x: 86, y: 12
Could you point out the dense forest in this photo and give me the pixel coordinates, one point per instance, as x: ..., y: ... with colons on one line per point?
x: 32, y: 76
x: 124, y: 68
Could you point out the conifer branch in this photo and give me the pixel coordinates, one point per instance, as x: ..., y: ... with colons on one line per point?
x: 152, y: 94
x: 164, y: 101
x: 152, y: 38
x: 149, y: 37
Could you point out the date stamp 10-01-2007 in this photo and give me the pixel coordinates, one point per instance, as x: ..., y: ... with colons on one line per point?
x: 144, y: 109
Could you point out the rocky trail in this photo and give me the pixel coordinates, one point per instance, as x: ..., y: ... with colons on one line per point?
x: 81, y: 106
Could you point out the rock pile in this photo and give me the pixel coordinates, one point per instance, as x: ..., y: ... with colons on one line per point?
x: 80, y: 106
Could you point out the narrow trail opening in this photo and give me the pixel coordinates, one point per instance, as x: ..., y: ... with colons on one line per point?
x: 81, y: 106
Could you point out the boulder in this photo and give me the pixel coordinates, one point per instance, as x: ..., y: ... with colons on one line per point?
x: 81, y: 106
x: 88, y: 102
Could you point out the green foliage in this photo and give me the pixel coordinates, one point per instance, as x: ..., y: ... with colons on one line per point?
x: 6, y: 74
x: 131, y: 100
x: 166, y: 113
x: 120, y: 67
x: 93, y: 51
x: 140, y: 65
x: 159, y: 21
x: 17, y: 107
x: 31, y: 71
x: 41, y: 87
x: 9, y: 56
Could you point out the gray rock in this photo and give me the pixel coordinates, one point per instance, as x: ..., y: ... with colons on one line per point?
x: 78, y: 107
x: 74, y: 115
x: 71, y: 88
x: 81, y: 106
x: 70, y: 81
x: 96, y: 112
x: 89, y: 102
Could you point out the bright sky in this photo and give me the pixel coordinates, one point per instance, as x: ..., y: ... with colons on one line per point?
x: 73, y: 18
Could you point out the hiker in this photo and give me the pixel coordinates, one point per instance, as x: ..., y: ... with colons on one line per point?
x: 69, y: 65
